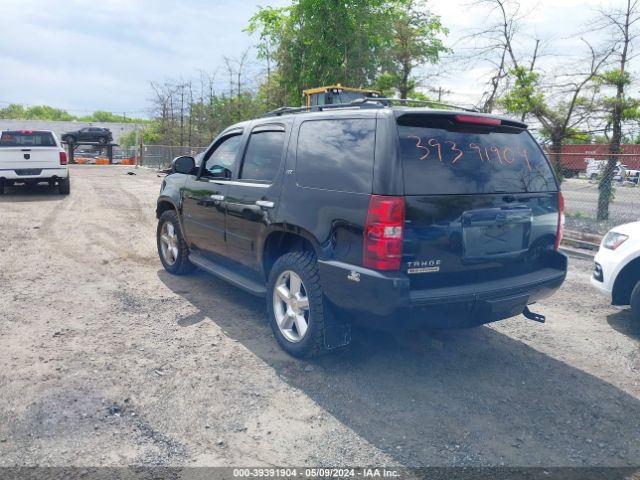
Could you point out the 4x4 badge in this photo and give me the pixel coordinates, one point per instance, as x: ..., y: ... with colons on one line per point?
x: 354, y: 276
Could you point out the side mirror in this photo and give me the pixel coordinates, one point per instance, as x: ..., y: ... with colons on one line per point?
x: 218, y: 171
x: 184, y: 164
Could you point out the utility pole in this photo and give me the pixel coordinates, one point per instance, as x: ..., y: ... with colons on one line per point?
x: 440, y: 91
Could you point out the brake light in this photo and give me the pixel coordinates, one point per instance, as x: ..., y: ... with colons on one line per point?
x: 560, y: 229
x: 383, y: 233
x: 477, y: 120
x: 63, y: 158
x: 26, y: 132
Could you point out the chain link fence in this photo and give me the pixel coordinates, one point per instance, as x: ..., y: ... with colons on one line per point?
x: 582, y: 168
x: 160, y: 156
x: 88, y: 154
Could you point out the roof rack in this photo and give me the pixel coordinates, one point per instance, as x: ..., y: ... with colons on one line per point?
x: 366, y: 102
x: 427, y: 103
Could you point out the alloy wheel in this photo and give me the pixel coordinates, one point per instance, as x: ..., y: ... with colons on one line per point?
x: 169, y: 243
x: 291, y: 306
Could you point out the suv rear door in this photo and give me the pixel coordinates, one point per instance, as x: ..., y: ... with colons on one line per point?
x: 482, y: 202
x: 253, y: 194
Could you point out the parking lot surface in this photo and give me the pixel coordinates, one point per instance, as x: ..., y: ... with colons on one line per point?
x: 105, y: 359
x: 581, y: 199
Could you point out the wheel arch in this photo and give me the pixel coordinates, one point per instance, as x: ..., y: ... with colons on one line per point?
x: 285, y: 239
x: 164, y: 204
x: 624, y: 283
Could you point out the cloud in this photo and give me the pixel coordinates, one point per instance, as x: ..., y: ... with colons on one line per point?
x: 85, y: 56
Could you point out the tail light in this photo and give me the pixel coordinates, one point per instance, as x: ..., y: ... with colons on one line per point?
x: 383, y: 233
x: 478, y: 120
x: 560, y: 229
x: 63, y: 158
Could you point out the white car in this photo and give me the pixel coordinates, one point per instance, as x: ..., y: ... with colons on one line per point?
x: 617, y: 269
x: 595, y: 168
x: 33, y: 156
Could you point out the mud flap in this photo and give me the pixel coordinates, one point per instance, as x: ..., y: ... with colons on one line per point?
x: 337, y: 328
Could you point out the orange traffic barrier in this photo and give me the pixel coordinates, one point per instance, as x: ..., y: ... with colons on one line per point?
x: 102, y: 161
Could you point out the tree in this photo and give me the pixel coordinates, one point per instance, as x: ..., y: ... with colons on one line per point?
x: 621, y: 22
x: 323, y: 42
x: 415, y: 40
x: 13, y: 112
x: 45, y: 112
x: 561, y: 119
x: 495, y: 44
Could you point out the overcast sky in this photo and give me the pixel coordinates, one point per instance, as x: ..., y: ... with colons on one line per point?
x: 84, y: 56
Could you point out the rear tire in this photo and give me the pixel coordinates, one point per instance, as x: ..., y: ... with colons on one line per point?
x: 295, y: 305
x: 1, y: 187
x: 102, y: 140
x: 64, y: 186
x: 172, y: 247
x: 635, y: 306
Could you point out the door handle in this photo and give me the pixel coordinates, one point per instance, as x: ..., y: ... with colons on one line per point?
x: 217, y: 198
x: 264, y: 203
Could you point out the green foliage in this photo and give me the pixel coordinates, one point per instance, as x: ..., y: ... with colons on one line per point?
x: 578, y: 137
x: 148, y: 134
x: 524, y: 97
x: 414, y: 38
x: 323, y: 42
x: 109, y: 117
x: 614, y: 78
x: 627, y: 108
x: 386, y: 84
x: 45, y: 112
x: 579, y: 215
x: 36, y: 112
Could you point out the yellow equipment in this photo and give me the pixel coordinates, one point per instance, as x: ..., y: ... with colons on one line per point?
x: 336, y: 94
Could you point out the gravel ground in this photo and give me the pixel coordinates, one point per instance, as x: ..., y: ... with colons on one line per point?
x: 106, y: 360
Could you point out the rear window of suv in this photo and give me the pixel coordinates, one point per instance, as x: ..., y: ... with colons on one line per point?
x: 27, y: 139
x: 336, y: 154
x: 440, y: 157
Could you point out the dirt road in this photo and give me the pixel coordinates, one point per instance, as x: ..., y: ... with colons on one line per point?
x: 107, y: 360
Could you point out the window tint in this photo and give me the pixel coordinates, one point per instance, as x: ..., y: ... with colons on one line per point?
x: 262, y: 160
x: 455, y: 160
x: 30, y: 139
x: 225, y: 153
x: 336, y: 154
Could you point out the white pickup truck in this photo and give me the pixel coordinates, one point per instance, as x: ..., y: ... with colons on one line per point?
x: 33, y: 156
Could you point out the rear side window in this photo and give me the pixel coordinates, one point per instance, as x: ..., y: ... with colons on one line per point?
x: 336, y: 154
x: 264, y: 153
x: 440, y: 157
x: 27, y: 139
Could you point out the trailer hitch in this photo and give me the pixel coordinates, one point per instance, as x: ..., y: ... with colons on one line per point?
x: 536, y: 317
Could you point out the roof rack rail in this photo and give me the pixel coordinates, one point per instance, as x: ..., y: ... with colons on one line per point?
x: 284, y: 110
x: 366, y: 102
x: 359, y: 103
x: 428, y: 103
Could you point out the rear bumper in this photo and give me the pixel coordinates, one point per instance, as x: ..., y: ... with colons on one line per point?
x: 386, y: 300
x: 44, y: 173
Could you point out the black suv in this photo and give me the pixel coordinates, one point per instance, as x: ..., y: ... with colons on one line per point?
x: 89, y: 134
x: 394, y: 217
